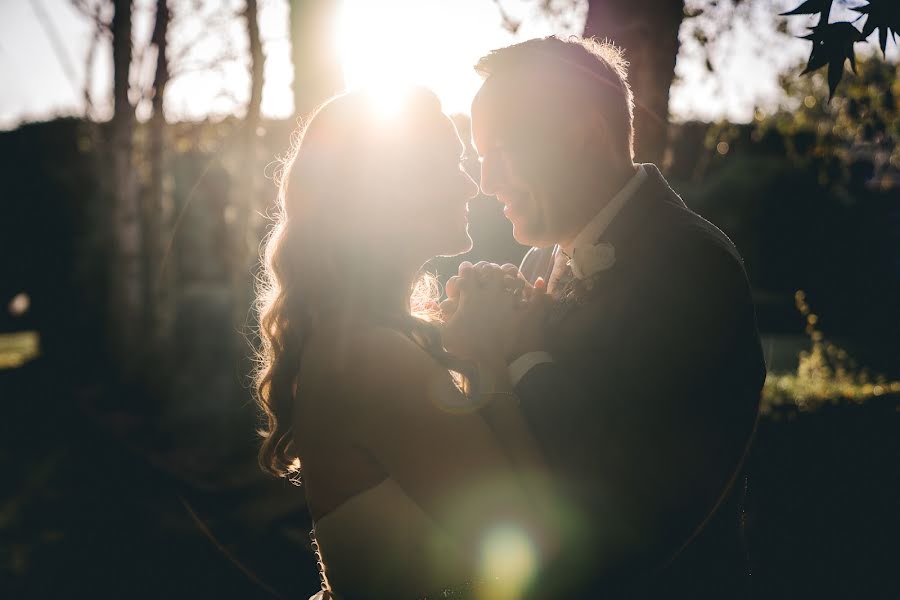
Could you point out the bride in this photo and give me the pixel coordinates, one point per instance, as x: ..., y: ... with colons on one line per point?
x: 419, y: 472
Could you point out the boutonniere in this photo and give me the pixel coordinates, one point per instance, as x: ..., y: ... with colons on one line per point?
x: 588, y: 262
x: 588, y: 265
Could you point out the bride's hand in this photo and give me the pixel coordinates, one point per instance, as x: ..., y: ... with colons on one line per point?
x: 484, y: 311
x: 513, y: 281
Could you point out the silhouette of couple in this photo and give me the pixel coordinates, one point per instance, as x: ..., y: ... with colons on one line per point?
x: 574, y: 427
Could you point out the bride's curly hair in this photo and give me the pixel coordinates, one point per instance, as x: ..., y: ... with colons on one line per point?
x: 302, y: 271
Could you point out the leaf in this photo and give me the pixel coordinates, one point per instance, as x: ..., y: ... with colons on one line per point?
x: 818, y: 58
x: 883, y: 15
x: 811, y: 7
x: 835, y: 74
x: 832, y: 46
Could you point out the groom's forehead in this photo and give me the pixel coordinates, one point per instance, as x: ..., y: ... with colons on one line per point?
x: 502, y: 100
x: 508, y: 103
x: 505, y: 91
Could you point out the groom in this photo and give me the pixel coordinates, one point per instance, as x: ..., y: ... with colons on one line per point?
x: 641, y: 375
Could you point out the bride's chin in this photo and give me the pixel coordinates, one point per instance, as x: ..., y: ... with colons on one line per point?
x: 463, y: 245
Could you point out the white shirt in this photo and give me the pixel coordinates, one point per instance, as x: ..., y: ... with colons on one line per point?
x: 588, y: 236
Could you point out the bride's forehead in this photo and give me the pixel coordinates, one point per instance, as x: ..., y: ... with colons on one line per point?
x: 438, y: 133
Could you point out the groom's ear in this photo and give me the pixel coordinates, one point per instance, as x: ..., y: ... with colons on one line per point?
x: 594, y: 130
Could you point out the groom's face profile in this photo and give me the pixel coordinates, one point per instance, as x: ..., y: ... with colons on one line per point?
x: 525, y: 162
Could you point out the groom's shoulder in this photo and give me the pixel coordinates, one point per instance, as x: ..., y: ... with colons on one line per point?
x: 690, y: 250
x: 680, y: 232
x: 702, y: 252
x: 694, y: 236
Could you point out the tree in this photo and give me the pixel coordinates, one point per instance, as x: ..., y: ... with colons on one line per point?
x: 156, y: 214
x: 257, y: 63
x: 244, y: 237
x: 317, y: 70
x: 647, y: 30
x: 141, y: 269
x: 125, y: 294
x: 851, y: 139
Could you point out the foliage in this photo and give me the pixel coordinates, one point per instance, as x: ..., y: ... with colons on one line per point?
x: 883, y: 15
x: 826, y: 374
x: 854, y: 136
x: 833, y: 43
x: 832, y: 46
x: 563, y: 13
x: 18, y: 348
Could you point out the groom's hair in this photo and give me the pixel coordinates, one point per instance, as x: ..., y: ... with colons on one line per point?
x: 591, y: 71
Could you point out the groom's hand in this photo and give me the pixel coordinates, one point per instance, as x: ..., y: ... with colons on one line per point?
x: 492, y: 313
x: 476, y: 274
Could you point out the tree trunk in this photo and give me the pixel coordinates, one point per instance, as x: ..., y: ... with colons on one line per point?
x: 248, y: 201
x: 257, y: 64
x: 157, y: 208
x: 125, y: 282
x: 317, y: 69
x: 648, y: 32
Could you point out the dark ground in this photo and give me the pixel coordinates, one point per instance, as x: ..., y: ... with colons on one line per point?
x: 89, y: 510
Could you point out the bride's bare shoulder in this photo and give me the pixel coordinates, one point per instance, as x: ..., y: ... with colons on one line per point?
x: 370, y: 356
x: 383, y: 354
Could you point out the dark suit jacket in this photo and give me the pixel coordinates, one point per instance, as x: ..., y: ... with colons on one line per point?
x: 650, y: 403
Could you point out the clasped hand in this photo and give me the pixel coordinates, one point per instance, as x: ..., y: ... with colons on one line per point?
x: 492, y: 314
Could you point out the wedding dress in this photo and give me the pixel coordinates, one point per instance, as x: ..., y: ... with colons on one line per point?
x: 380, y: 543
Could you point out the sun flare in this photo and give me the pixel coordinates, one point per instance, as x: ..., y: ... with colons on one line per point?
x: 385, y: 47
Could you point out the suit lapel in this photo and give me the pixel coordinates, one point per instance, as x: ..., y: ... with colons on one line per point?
x: 636, y: 216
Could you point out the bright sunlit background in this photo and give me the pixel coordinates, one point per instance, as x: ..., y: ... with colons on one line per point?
x: 44, y: 62
x: 430, y: 42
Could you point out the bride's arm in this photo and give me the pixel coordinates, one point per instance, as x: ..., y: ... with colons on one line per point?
x: 484, y: 313
x: 441, y: 451
x: 504, y: 416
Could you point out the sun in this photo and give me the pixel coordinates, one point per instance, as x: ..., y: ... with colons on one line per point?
x: 376, y: 41
x: 391, y: 44
x: 386, y: 46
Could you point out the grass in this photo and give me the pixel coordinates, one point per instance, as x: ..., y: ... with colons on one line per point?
x: 18, y: 348
x: 826, y: 374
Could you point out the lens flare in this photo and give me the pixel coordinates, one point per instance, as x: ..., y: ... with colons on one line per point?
x: 508, y: 562
x: 19, y: 305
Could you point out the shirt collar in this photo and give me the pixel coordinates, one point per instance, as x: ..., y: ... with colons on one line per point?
x: 601, y: 221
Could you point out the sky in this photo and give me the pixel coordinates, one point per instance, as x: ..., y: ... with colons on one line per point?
x: 44, y: 48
